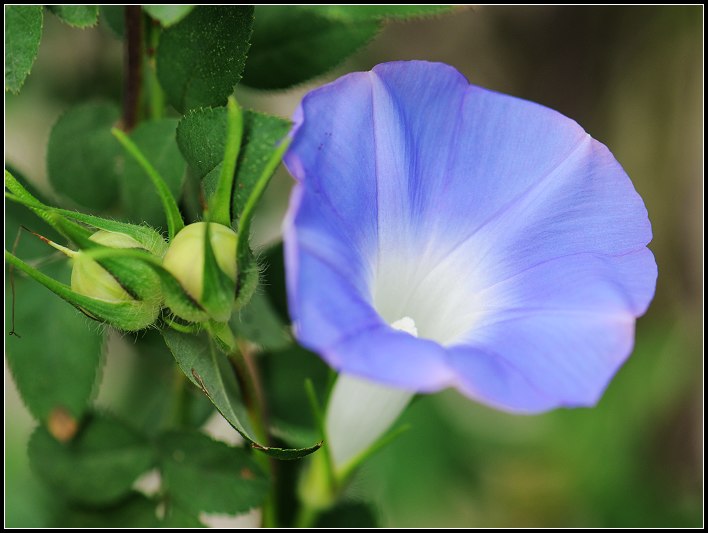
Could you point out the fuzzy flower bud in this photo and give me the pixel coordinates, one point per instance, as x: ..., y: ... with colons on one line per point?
x: 185, y: 257
x: 91, y: 279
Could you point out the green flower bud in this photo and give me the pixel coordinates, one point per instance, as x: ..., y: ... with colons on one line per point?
x: 185, y: 256
x: 91, y: 279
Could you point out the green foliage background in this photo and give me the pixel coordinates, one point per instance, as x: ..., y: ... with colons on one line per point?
x: 632, y: 77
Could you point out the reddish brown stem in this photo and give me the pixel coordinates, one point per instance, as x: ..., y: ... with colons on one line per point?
x: 132, y: 81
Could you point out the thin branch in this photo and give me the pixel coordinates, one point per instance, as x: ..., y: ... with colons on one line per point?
x: 132, y: 81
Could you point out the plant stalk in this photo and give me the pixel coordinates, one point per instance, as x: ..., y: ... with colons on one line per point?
x: 133, y: 57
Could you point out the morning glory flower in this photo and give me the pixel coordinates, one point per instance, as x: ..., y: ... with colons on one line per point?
x: 444, y: 235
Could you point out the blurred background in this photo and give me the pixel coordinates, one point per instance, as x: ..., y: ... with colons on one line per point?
x: 633, y: 78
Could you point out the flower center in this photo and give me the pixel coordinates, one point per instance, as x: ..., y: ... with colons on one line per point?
x: 432, y: 295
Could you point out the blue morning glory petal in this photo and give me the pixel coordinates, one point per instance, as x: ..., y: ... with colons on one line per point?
x: 514, y: 241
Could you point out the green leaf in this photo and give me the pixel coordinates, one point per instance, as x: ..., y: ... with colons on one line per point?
x: 201, y: 59
x: 77, y: 16
x: 201, y: 136
x: 23, y: 31
x: 156, y: 140
x: 211, y: 372
x: 244, y: 256
x: 258, y: 322
x: 176, y: 517
x: 147, y: 399
x: 203, y: 475
x: 135, y: 511
x: 378, y: 12
x: 82, y: 156
x: 168, y: 15
x: 55, y: 359
x: 98, y: 467
x: 292, y: 44
x: 114, y: 18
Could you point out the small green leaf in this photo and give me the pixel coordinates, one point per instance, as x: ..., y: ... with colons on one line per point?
x: 77, y: 16
x: 98, y: 467
x: 169, y: 204
x: 23, y: 31
x: 258, y: 323
x: 156, y: 141
x: 82, y: 156
x: 203, y: 475
x: 201, y: 136
x: 262, y: 136
x: 201, y: 59
x: 168, y: 15
x: 114, y: 18
x: 292, y: 44
x: 211, y: 372
x: 378, y: 12
x: 56, y: 353
x: 244, y: 256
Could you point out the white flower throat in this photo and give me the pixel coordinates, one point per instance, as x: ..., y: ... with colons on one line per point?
x: 440, y: 295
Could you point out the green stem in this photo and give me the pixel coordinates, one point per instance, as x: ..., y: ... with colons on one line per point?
x: 169, y: 204
x: 306, y: 517
x: 220, y: 202
x: 180, y: 413
x: 317, y: 491
x: 156, y: 96
x: 247, y: 373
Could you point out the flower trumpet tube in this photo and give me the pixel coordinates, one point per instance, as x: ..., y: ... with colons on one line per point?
x: 512, y: 241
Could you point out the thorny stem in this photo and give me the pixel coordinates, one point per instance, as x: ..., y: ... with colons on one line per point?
x: 133, y: 65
